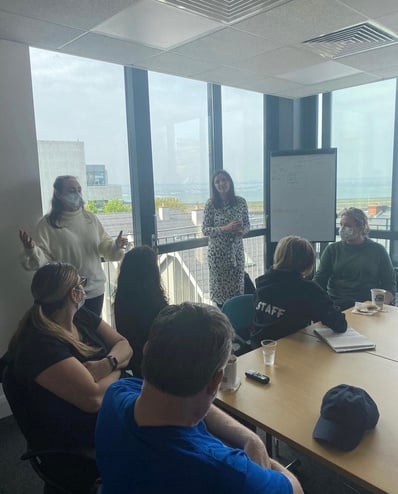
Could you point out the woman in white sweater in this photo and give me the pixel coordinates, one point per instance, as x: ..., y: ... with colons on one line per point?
x: 71, y: 234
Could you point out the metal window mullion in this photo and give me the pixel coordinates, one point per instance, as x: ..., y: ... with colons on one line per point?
x: 140, y: 156
x: 394, y: 184
x: 215, y: 128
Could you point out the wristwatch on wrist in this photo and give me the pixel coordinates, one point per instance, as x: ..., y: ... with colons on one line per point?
x: 113, y: 360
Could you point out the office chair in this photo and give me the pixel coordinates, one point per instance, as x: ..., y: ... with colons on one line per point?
x: 56, y: 467
x: 240, y: 312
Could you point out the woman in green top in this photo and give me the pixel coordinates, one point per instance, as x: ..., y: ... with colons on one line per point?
x: 349, y: 269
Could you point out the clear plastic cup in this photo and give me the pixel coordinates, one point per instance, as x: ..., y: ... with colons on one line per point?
x: 378, y: 296
x: 269, y: 350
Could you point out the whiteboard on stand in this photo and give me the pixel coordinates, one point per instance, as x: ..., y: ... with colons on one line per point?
x: 302, y: 194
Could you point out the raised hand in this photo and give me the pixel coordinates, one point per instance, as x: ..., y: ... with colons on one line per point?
x: 121, y: 242
x: 26, y: 239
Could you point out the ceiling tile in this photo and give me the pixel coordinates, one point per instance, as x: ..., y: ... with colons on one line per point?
x: 111, y: 50
x: 280, y: 61
x: 374, y: 59
x: 352, y: 80
x: 300, y: 20
x: 389, y: 21
x: 229, y: 75
x: 271, y: 85
x: 320, y: 72
x: 157, y: 24
x: 34, y: 32
x: 344, y: 82
x: 172, y: 63
x: 373, y: 8
x: 226, y: 46
x: 81, y: 14
x: 298, y: 92
x: 387, y: 72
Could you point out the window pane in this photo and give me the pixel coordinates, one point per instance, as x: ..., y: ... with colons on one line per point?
x: 81, y: 130
x: 185, y: 275
x: 178, y: 110
x: 242, y: 121
x: 363, y: 132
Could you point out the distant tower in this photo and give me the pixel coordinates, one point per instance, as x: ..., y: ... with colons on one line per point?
x: 96, y: 175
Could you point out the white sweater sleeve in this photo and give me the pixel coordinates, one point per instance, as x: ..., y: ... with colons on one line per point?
x: 33, y: 259
x: 107, y: 247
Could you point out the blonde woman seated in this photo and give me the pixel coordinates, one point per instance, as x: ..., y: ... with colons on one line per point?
x: 285, y: 301
x: 64, y: 358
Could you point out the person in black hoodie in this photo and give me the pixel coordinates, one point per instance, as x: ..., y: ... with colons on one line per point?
x: 285, y: 301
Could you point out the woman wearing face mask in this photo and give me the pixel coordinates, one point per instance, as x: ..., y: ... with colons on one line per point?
x: 71, y: 234
x: 64, y: 359
x: 349, y: 269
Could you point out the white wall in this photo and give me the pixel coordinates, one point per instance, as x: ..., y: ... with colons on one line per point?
x: 20, y: 201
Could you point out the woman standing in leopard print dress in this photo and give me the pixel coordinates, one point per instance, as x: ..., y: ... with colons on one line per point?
x: 225, y: 221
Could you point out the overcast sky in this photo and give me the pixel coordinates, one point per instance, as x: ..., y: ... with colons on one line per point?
x: 82, y: 100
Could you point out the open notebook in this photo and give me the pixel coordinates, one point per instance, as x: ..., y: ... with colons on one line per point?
x: 350, y: 341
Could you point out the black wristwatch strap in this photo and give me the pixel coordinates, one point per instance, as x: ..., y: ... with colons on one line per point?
x: 113, y: 360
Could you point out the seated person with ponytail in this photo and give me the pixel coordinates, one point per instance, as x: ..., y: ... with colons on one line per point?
x: 285, y: 301
x: 64, y: 359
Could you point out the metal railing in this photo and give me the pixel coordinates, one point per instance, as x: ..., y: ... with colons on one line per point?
x: 185, y: 270
x: 184, y: 267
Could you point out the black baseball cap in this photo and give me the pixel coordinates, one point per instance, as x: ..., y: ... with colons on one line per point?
x: 347, y: 412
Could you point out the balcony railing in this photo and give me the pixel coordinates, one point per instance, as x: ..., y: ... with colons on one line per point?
x: 185, y: 273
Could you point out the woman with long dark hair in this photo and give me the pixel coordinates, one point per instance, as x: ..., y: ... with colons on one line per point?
x: 225, y: 221
x: 71, y: 234
x: 139, y: 298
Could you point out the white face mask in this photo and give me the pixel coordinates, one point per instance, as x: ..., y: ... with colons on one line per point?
x: 346, y: 233
x: 81, y: 303
x: 72, y: 200
x: 82, y: 300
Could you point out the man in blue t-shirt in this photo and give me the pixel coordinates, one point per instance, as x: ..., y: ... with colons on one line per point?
x: 164, y: 435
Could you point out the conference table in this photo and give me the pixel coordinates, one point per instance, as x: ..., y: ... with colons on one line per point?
x: 381, y: 328
x: 305, y: 368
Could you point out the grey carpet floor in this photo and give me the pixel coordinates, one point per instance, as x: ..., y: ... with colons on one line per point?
x: 18, y: 477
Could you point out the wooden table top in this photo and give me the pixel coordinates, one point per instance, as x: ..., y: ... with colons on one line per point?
x: 381, y: 328
x: 289, y: 406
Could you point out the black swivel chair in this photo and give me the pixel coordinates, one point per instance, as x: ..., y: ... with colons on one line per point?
x: 56, y: 467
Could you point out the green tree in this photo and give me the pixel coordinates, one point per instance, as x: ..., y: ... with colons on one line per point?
x: 169, y: 202
x: 116, y: 206
x: 91, y: 206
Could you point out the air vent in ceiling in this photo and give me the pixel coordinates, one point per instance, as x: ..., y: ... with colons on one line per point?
x: 226, y: 11
x: 354, y: 39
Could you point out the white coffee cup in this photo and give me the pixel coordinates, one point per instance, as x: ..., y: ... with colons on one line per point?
x: 378, y: 297
x: 230, y: 380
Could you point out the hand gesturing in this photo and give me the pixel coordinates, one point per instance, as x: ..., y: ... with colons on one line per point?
x: 26, y: 239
